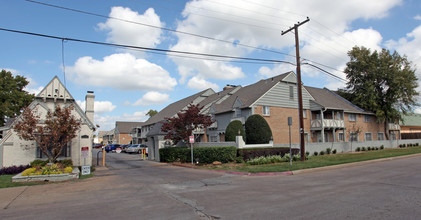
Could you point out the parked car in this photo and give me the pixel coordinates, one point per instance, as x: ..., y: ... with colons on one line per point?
x: 136, y: 148
x: 124, y: 147
x: 111, y: 147
x: 97, y: 146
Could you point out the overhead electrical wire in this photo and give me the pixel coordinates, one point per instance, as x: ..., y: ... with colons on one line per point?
x: 157, y: 27
x: 196, y: 35
x: 146, y: 48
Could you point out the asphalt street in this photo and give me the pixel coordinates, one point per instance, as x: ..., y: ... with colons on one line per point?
x: 130, y: 188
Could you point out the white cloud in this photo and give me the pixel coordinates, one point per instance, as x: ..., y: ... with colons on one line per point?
x: 121, y: 71
x: 260, y: 24
x: 122, y: 32
x: 152, y: 98
x: 100, y: 107
x: 107, y: 122
x: 201, y: 84
x: 417, y: 17
x: 410, y: 45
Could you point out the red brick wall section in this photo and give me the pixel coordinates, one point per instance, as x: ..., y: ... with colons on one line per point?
x: 278, y: 122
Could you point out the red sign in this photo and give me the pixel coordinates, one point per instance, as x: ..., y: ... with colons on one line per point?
x: 85, y: 152
x: 191, y: 138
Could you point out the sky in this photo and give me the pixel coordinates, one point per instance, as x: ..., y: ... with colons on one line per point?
x: 129, y: 82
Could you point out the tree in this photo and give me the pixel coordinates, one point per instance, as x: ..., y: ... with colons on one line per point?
x: 382, y: 83
x: 53, y: 135
x: 181, y: 126
x: 12, y: 96
x: 234, y: 129
x: 257, y: 130
x: 151, y: 113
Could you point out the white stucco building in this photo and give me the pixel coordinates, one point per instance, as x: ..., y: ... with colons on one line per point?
x: 15, y: 151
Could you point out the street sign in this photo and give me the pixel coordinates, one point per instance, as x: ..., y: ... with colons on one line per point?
x: 86, y: 170
x: 191, y: 139
x: 118, y: 150
x: 85, y: 152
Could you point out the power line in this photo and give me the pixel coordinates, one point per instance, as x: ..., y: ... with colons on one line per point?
x: 157, y: 27
x: 146, y: 48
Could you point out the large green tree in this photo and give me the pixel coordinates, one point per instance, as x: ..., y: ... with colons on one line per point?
x: 381, y: 82
x: 13, y: 99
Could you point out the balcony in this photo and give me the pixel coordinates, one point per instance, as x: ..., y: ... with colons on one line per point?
x: 394, y: 127
x: 318, y: 124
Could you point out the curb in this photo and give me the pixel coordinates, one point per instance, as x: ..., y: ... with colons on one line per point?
x: 303, y: 171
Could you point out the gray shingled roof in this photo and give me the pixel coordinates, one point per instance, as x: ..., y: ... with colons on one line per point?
x: 173, y: 108
x: 331, y: 100
x: 125, y: 127
x: 249, y: 94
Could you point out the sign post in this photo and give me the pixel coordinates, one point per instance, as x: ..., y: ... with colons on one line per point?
x: 290, y: 152
x: 191, y: 140
x: 85, y: 154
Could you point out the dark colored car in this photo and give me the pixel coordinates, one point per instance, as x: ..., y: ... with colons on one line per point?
x: 97, y: 146
x: 111, y: 147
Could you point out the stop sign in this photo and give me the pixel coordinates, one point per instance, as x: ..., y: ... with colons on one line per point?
x: 118, y: 150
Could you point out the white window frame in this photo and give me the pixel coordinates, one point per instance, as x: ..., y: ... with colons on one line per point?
x: 367, y: 118
x: 371, y: 136
x: 304, y: 113
x: 352, y: 117
x: 266, y: 110
x: 341, y: 136
x: 352, y: 135
x: 291, y: 92
x: 380, y: 134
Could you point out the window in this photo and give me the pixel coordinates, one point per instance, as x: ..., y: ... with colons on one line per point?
x: 352, y: 117
x: 380, y: 136
x: 306, y: 138
x: 353, y: 137
x: 367, y: 118
x: 214, y: 139
x: 291, y: 92
x: 237, y: 112
x: 304, y: 113
x: 368, y: 137
x: 266, y: 110
x: 341, y: 136
x: 339, y: 116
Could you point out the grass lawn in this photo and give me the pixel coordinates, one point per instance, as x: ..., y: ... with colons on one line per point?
x: 317, y: 161
x: 6, y: 181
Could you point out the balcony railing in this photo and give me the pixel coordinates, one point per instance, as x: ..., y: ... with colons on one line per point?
x: 327, y: 123
x: 393, y: 126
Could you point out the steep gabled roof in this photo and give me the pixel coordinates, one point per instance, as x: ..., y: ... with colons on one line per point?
x: 125, y: 127
x: 176, y: 107
x: 330, y: 100
x: 249, y: 94
x: 55, y: 89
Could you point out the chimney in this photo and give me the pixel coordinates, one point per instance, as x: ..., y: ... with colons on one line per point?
x: 89, y: 105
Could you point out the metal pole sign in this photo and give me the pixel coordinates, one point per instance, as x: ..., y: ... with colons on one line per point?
x: 191, y: 140
x: 290, y: 152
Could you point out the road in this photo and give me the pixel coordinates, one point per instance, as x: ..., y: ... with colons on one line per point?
x: 134, y: 189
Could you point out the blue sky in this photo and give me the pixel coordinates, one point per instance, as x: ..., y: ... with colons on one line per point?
x: 129, y: 83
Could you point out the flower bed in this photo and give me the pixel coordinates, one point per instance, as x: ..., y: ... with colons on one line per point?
x: 53, y: 173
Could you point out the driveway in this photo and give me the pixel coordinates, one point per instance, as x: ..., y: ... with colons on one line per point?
x: 133, y: 189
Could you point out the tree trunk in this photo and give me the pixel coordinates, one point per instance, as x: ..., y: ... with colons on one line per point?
x: 386, y: 128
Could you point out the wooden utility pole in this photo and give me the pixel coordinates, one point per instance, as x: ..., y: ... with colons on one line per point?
x: 299, y: 86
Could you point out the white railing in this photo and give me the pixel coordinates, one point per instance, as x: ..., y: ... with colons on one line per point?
x: 327, y: 123
x: 393, y: 126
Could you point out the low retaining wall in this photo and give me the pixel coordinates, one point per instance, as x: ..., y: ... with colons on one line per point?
x: 47, y: 178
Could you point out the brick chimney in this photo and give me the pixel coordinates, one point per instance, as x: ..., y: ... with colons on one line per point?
x: 89, y: 105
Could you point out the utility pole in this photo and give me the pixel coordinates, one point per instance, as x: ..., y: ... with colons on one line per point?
x: 299, y: 86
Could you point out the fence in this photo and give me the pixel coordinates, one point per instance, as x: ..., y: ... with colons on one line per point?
x: 341, y: 147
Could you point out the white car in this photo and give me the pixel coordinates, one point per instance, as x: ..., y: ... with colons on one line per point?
x: 136, y: 148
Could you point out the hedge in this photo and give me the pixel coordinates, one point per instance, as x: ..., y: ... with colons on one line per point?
x: 204, y: 154
x: 250, y: 153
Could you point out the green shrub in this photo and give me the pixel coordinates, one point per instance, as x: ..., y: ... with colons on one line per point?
x: 358, y: 149
x: 266, y: 160
x: 239, y: 159
x: 381, y: 147
x: 328, y: 150
x: 307, y: 153
x: 315, y: 153
x: 363, y: 149
x: 66, y: 162
x: 417, y: 144
x: 204, y: 154
x: 322, y: 153
x: 257, y: 130
x: 232, y: 130
x: 377, y: 148
x: 368, y: 148
x: 40, y: 163
x: 334, y: 151
x: 250, y: 153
